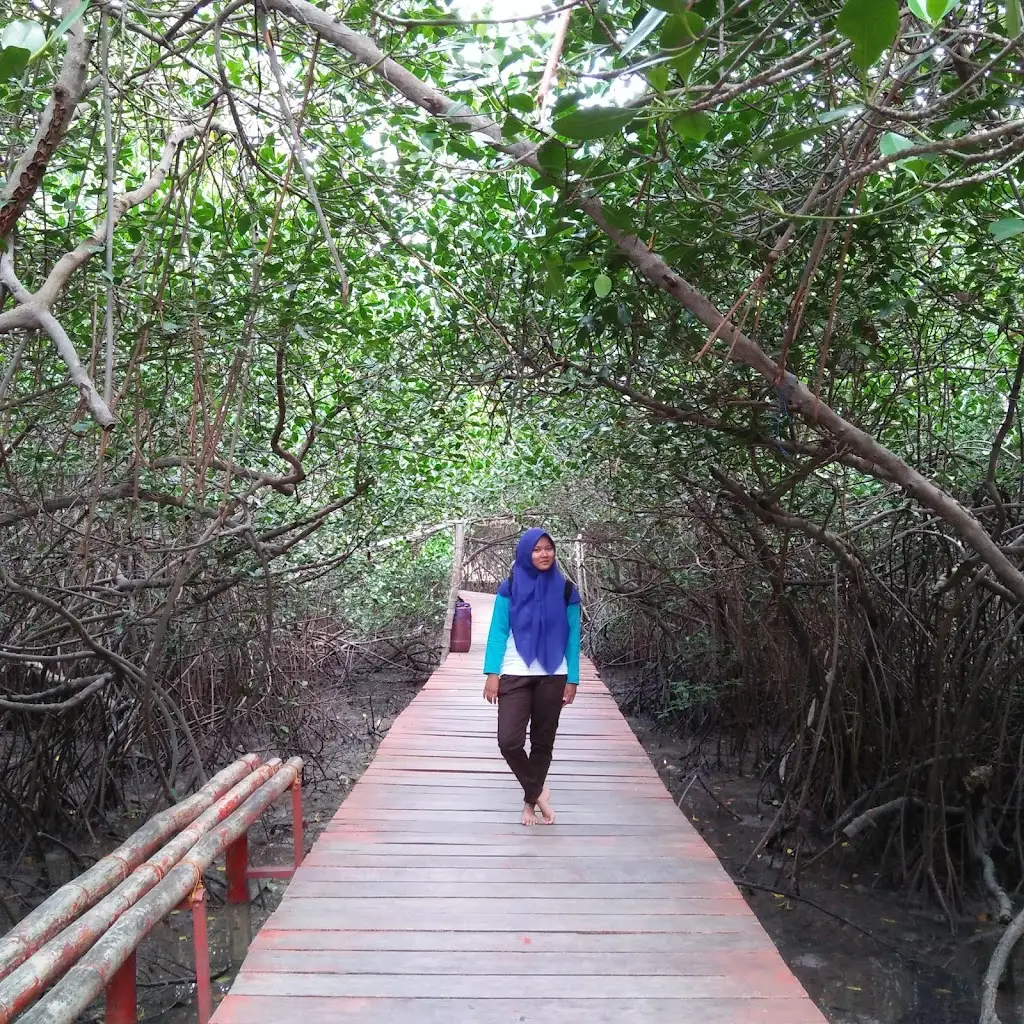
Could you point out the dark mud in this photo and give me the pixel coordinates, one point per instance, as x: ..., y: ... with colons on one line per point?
x: 866, y: 954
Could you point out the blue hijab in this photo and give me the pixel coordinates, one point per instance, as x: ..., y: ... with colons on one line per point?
x: 537, y: 606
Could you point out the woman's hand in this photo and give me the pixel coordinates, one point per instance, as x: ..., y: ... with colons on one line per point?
x: 568, y: 694
x: 491, y: 689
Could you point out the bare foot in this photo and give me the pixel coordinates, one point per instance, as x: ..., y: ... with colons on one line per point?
x: 529, y: 818
x: 545, y: 808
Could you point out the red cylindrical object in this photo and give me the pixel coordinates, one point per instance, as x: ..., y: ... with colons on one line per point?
x: 75, y: 898
x: 298, y: 840
x: 204, y: 994
x: 121, y: 1001
x: 70, y: 996
x: 21, y: 986
x: 462, y: 628
x: 236, y: 862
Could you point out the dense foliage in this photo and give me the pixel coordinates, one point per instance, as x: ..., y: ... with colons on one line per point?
x: 731, y: 293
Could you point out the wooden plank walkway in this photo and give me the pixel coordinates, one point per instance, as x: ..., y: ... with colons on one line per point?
x: 426, y: 902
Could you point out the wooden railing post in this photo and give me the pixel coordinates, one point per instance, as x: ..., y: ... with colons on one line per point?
x: 201, y: 944
x: 239, y: 916
x: 453, y: 590
x: 298, y: 837
x: 121, y: 1005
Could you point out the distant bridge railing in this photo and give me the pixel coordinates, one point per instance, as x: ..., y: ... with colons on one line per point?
x: 82, y: 941
x: 483, y: 552
x: 489, y: 547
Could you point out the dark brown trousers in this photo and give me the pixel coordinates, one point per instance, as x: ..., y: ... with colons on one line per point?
x: 535, y: 701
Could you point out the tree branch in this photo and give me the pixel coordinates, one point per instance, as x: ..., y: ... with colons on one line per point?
x: 28, y: 172
x: 70, y: 262
x: 89, y: 686
x: 35, y: 309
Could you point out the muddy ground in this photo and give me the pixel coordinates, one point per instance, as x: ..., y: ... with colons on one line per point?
x: 866, y: 954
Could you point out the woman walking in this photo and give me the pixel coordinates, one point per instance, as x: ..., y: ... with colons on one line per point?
x: 532, y: 665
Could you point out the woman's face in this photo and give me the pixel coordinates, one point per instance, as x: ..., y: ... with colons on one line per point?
x: 544, y: 554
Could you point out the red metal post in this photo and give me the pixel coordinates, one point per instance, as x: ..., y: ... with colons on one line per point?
x: 121, y: 994
x: 238, y: 911
x: 297, y: 837
x: 201, y: 944
x: 236, y: 866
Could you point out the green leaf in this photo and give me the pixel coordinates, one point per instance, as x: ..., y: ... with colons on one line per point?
x: 70, y: 20
x: 593, y: 123
x: 62, y: 28
x: 520, y: 101
x: 658, y: 78
x: 602, y: 286
x: 892, y: 144
x: 956, y: 127
x: 25, y: 35
x: 779, y: 142
x: 554, y: 278
x: 670, y: 6
x: 938, y: 9
x: 1013, y: 18
x: 1000, y: 230
x: 681, y: 30
x: 931, y: 11
x: 691, y: 125
x: 686, y: 62
x: 566, y: 101
x: 512, y: 127
x: 649, y: 23
x: 554, y: 158
x: 871, y: 25
x: 918, y: 166
x: 13, y: 61
x: 840, y: 113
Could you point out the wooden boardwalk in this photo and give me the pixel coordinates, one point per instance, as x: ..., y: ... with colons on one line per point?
x: 426, y: 902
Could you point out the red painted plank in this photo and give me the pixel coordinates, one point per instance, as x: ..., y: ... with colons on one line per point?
x: 312, y: 883
x: 504, y: 841
x: 525, y: 961
x: 471, y: 827
x: 538, y: 869
x: 309, y: 897
x: 714, y: 915
x: 757, y: 984
x: 745, y: 936
x: 534, y: 1006
x: 640, y: 877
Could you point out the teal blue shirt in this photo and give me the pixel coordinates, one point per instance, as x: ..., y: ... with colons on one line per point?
x: 497, y: 640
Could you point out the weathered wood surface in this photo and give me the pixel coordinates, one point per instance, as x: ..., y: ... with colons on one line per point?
x: 425, y: 901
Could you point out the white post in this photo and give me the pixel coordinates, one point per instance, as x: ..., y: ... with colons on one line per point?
x: 581, y: 583
x: 453, y: 590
